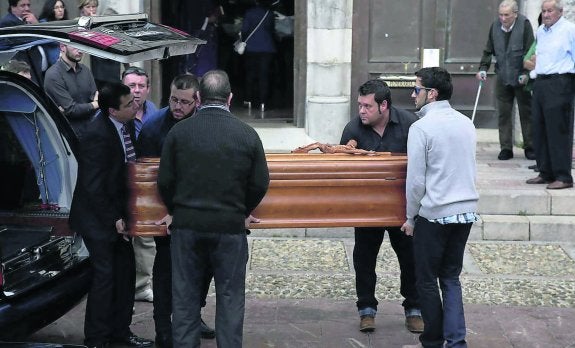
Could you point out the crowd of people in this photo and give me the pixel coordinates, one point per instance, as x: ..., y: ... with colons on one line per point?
x: 208, y: 213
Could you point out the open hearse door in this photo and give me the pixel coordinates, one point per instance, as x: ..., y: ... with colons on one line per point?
x: 44, y: 272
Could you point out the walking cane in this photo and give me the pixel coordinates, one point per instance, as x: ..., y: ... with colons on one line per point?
x: 476, y: 100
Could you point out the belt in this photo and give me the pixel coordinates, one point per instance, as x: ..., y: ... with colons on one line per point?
x: 552, y: 76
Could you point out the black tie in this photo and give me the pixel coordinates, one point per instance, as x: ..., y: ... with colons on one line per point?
x: 130, y: 152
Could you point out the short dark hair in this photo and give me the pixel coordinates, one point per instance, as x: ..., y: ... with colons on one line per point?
x: 186, y: 81
x: 12, y: 3
x: 215, y: 87
x: 437, y: 78
x: 379, y: 88
x: 48, y: 10
x: 110, y: 96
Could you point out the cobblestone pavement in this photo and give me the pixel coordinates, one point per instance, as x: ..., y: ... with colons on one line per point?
x: 301, y: 293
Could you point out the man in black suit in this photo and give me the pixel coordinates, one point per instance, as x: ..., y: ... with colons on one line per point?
x: 98, y: 214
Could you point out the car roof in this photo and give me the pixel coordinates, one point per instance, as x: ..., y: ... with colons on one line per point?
x: 123, y: 38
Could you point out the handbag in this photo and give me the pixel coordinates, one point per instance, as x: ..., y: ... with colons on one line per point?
x: 239, y: 45
x: 283, y: 25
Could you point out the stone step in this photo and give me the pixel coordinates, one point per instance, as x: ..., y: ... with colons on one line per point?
x: 525, y: 228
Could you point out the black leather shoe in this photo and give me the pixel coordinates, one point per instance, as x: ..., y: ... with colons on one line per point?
x: 164, y: 341
x: 207, y: 332
x: 529, y: 153
x: 505, y: 154
x: 133, y: 341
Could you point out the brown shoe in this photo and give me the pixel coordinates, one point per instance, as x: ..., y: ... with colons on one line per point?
x: 558, y: 185
x: 537, y: 180
x: 367, y: 323
x: 414, y: 323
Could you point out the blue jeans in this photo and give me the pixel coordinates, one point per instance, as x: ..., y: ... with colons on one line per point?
x: 439, y: 255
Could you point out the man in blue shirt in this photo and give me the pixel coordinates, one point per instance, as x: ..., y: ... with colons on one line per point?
x: 553, y: 94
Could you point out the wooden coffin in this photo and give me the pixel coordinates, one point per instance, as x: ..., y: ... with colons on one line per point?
x: 306, y: 190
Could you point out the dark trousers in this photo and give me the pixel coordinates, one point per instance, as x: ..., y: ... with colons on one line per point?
x: 258, y: 68
x: 367, y: 243
x: 505, y: 96
x: 111, y: 296
x: 162, y: 286
x: 193, y: 253
x: 553, y: 125
x: 439, y: 249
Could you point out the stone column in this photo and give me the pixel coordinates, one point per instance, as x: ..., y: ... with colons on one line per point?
x: 328, y: 68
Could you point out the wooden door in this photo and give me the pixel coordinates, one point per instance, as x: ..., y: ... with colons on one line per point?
x: 389, y: 37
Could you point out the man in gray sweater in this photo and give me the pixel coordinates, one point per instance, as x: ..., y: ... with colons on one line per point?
x: 441, y: 205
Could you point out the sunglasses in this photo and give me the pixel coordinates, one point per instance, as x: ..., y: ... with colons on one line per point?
x: 416, y: 89
x: 134, y: 70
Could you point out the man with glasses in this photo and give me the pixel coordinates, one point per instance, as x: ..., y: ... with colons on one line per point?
x: 144, y: 247
x: 441, y: 205
x: 381, y: 127
x: 510, y: 37
x: 183, y: 104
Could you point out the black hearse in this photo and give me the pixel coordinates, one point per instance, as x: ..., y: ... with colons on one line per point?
x: 44, y: 268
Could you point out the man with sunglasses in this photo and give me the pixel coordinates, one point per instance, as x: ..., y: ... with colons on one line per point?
x: 441, y: 205
x: 144, y: 247
x: 182, y: 104
x: 381, y: 127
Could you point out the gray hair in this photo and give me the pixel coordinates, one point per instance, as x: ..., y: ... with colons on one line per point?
x: 558, y: 3
x: 510, y: 3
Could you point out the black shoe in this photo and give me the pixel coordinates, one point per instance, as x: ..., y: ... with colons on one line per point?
x: 533, y: 167
x: 207, y: 332
x: 133, y: 341
x: 164, y: 341
x: 529, y: 153
x: 505, y: 155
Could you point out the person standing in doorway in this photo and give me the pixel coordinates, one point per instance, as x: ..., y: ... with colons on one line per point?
x: 510, y: 38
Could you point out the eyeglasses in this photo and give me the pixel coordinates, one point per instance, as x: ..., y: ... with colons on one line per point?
x: 182, y: 102
x: 134, y: 70
x: 416, y: 89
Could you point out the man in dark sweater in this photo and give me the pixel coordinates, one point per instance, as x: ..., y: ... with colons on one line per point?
x: 213, y: 173
x: 182, y: 101
x: 510, y: 37
x: 381, y: 127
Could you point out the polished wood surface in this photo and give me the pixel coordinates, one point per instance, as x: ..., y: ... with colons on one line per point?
x: 306, y: 190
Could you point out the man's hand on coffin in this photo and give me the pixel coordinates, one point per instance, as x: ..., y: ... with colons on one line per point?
x: 166, y: 220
